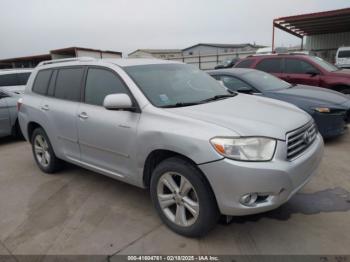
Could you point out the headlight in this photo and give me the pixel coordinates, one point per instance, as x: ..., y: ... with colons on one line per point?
x: 323, y: 109
x: 245, y: 149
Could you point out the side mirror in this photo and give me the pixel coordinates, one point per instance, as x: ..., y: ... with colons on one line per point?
x: 117, y: 101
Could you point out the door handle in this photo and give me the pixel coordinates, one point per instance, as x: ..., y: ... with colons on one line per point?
x: 45, y: 108
x: 83, y: 115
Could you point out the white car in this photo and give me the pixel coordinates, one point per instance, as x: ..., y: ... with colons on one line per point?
x: 12, y: 83
x: 342, y: 58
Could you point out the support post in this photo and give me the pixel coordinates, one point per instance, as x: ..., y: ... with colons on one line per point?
x: 273, y: 37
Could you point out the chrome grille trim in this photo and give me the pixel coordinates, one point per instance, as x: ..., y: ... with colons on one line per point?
x: 300, y: 139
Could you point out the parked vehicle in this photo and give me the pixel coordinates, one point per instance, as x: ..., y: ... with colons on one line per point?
x: 228, y: 63
x: 342, y: 58
x: 12, y: 83
x: 301, y: 69
x: 329, y: 109
x: 166, y: 126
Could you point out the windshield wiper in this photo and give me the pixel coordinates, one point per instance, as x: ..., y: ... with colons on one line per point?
x: 181, y: 104
x: 218, y: 97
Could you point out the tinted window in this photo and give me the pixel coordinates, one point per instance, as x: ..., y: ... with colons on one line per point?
x: 68, y: 83
x: 51, y: 89
x: 270, y: 65
x: 16, y: 79
x: 23, y: 78
x: 344, y: 54
x: 297, y: 66
x: 245, y: 64
x: 234, y: 84
x: 42, y: 81
x: 100, y: 83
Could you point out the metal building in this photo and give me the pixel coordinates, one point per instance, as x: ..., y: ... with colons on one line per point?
x: 325, y: 32
x: 32, y: 61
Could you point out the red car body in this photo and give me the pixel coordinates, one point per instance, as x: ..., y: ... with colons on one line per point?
x: 301, y: 69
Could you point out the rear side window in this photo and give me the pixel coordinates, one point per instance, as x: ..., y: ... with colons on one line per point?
x: 245, y: 63
x: 273, y: 65
x: 344, y: 54
x: 68, y: 83
x: 42, y: 81
x: 17, y: 79
x: 100, y: 83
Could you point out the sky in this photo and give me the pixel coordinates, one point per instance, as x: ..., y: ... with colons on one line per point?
x: 31, y: 27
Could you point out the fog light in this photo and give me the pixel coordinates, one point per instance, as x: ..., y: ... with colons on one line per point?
x: 249, y: 199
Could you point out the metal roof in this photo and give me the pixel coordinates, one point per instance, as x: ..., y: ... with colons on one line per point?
x: 335, y: 21
x: 223, y: 45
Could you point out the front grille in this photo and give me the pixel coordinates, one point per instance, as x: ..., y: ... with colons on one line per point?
x: 300, y: 139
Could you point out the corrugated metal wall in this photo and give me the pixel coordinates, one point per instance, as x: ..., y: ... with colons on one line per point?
x: 326, y: 45
x: 328, y: 41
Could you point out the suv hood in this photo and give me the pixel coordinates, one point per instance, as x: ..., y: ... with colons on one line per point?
x: 249, y: 115
x: 316, y: 95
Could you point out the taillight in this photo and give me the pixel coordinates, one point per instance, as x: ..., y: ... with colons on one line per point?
x: 19, y: 103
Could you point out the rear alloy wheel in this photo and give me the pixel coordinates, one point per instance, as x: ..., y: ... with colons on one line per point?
x: 183, y: 198
x: 43, y: 152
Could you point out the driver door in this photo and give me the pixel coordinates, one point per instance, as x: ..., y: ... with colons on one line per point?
x: 106, y: 137
x: 298, y: 71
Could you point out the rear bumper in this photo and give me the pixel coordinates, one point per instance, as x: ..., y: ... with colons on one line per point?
x: 277, y: 179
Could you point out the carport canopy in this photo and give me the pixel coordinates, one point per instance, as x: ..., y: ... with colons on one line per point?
x: 335, y: 21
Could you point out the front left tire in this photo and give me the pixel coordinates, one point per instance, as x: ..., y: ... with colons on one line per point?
x: 183, y: 198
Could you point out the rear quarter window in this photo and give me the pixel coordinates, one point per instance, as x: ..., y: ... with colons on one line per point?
x: 41, y: 82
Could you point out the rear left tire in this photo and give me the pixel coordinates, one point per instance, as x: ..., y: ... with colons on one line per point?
x: 43, y: 152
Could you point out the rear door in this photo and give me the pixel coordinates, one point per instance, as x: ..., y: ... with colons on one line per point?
x: 106, y: 137
x: 60, y: 108
x: 271, y: 65
x: 298, y: 71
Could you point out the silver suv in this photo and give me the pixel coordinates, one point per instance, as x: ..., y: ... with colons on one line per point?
x: 169, y: 127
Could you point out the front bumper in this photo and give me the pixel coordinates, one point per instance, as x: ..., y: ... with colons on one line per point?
x: 331, y: 125
x: 278, y: 179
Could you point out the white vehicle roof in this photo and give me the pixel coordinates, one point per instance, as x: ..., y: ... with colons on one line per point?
x: 343, y: 48
x: 122, y: 62
x: 15, y: 71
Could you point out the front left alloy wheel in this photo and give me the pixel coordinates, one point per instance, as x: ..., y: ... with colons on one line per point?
x: 183, y: 198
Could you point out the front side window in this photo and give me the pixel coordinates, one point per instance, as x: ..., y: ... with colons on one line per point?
x: 99, y: 84
x: 68, y: 83
x: 42, y: 81
x: 170, y: 84
x: 234, y: 83
x: 297, y: 66
x: 271, y: 65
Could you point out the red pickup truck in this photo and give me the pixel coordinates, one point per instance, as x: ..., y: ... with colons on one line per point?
x: 301, y: 69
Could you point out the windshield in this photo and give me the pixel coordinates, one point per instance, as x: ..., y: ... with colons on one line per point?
x: 324, y: 64
x: 264, y: 81
x: 171, y: 84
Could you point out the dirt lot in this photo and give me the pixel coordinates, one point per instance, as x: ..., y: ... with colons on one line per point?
x: 81, y: 212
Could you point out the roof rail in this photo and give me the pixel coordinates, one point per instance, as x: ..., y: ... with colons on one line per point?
x: 66, y: 60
